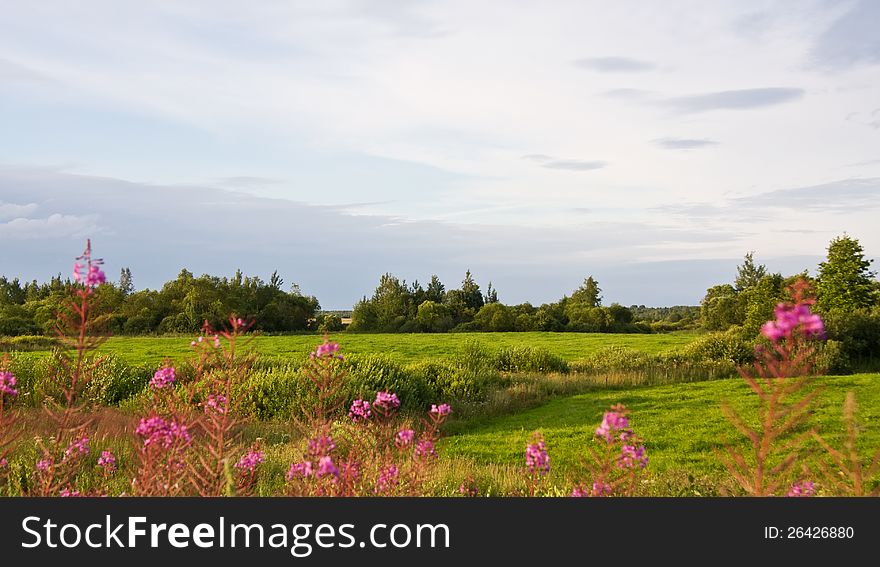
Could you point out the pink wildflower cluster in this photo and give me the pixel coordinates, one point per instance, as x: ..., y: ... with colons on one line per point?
x: 107, y: 461
x: 250, y: 460
x: 404, y: 438
x: 3, y: 464
x: 386, y: 400
x: 793, y: 318
x: 321, y: 446
x: 537, y: 459
x: 216, y: 403
x: 157, y: 431
x: 802, y: 489
x: 632, y: 457
x: 68, y: 493
x: 7, y: 384
x: 360, y: 410
x: 388, y: 479
x: 300, y: 470
x: 77, y: 448
x: 425, y: 449
x: 163, y: 378
x: 612, y: 422
x: 326, y: 349
x: 43, y: 465
x: 442, y: 409
x: 89, y: 271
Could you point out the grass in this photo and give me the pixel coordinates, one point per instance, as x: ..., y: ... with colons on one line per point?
x: 681, y: 424
x: 403, y: 347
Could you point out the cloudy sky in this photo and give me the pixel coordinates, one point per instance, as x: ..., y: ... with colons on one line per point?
x: 650, y: 144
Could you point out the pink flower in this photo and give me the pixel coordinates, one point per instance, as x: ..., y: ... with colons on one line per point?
x: 77, y: 448
x: 360, y: 410
x: 93, y: 275
x: 442, y: 409
x: 601, y: 489
x: 388, y: 479
x: 107, y: 461
x: 612, y: 422
x: 630, y: 457
x: 326, y: 467
x: 156, y: 431
x: 791, y: 319
x: 578, y: 492
x: 802, y: 489
x: 163, y: 377
x: 405, y: 437
x: 321, y: 445
x: 386, y: 400
x: 327, y: 349
x: 43, y: 465
x: 468, y: 489
x: 68, y: 493
x: 216, y: 341
x: 7, y: 383
x: 300, y: 470
x: 3, y: 464
x: 216, y: 403
x: 250, y: 460
x: 425, y: 449
x: 537, y: 459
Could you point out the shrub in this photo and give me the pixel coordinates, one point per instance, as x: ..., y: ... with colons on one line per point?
x: 729, y: 346
x: 448, y: 382
x: 370, y: 373
x: 27, y: 343
x: 273, y: 393
x: 524, y: 358
x: 832, y: 358
x: 114, y: 381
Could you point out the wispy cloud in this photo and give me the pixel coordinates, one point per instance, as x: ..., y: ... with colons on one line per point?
x: 683, y: 143
x: 741, y: 99
x: 614, y: 64
x: 850, y: 40
x: 566, y: 164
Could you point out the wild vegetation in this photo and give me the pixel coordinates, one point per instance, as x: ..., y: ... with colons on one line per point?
x: 222, y: 422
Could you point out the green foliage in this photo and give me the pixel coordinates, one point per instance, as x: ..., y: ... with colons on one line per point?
x: 858, y: 331
x: 495, y: 317
x: 433, y: 317
x: 113, y: 381
x: 760, y: 299
x: 749, y: 274
x: 370, y: 373
x: 845, y: 278
x: 720, y: 308
x: 832, y: 358
x: 524, y: 358
x: 729, y: 346
x: 588, y: 293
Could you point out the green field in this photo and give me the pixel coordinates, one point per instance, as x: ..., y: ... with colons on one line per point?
x: 404, y: 347
x: 681, y: 423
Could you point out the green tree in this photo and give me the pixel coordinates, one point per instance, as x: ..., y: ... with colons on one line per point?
x: 126, y: 284
x: 748, y: 274
x: 588, y: 294
x: 435, y: 291
x: 433, y: 317
x: 491, y: 295
x: 721, y: 308
x: 845, y: 279
x: 495, y: 317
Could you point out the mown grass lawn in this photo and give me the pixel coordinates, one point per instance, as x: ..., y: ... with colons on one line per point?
x: 404, y: 347
x: 681, y: 424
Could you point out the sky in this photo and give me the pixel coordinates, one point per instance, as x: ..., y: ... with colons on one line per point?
x: 649, y: 144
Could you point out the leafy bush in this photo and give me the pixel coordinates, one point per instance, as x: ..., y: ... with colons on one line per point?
x: 27, y: 343
x: 729, y: 346
x: 369, y: 373
x: 114, y: 381
x: 832, y: 358
x: 274, y: 392
x: 448, y: 382
x: 524, y: 358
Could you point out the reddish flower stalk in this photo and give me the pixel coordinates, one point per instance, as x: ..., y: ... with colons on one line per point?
x: 780, y: 378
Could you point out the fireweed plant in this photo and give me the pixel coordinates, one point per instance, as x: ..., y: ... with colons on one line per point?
x: 374, y: 452
x: 62, y: 454
x: 781, y: 378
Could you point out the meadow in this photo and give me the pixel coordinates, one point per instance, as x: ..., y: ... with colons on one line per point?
x: 405, y: 348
